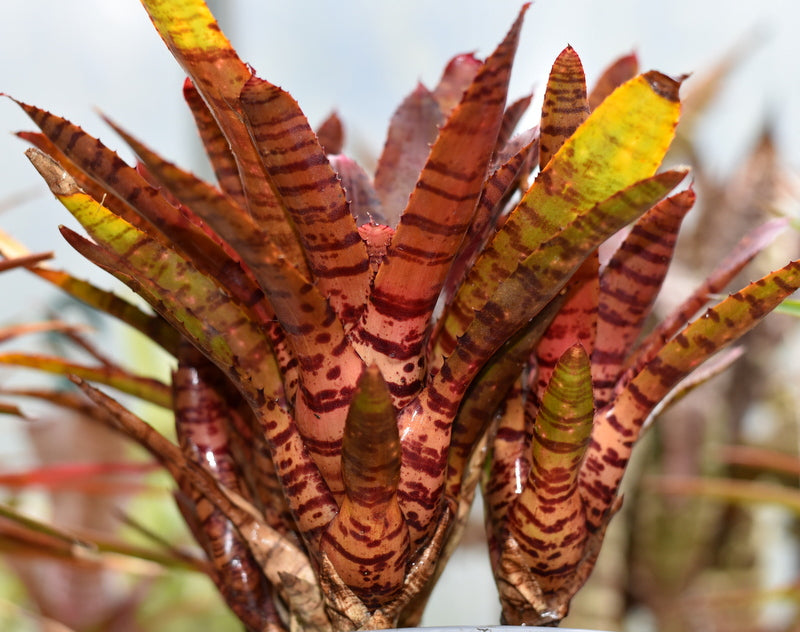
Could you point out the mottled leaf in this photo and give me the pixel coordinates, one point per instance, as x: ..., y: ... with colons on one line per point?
x: 617, y: 426
x: 620, y: 143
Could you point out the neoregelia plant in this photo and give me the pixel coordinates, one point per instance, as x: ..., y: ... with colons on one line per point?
x: 354, y: 355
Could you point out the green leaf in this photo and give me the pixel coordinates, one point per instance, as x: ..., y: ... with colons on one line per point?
x: 623, y: 141
x: 547, y: 518
x: 145, y: 388
x: 368, y: 540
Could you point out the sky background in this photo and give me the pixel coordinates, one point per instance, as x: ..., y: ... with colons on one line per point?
x: 360, y: 58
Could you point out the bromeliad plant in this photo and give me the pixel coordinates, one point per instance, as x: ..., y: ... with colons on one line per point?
x: 354, y: 355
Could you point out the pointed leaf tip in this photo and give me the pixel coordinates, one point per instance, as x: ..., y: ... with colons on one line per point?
x: 59, y: 181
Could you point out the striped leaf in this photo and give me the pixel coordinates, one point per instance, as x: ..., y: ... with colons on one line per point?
x: 744, y: 252
x: 617, y: 426
x: 629, y: 285
x: 195, y: 40
x: 207, y: 316
x: 547, y: 518
x: 576, y: 322
x: 203, y: 429
x: 394, y: 327
x: 222, y: 160
x: 535, y: 282
x: 622, y: 141
x: 368, y: 541
x: 489, y: 393
x: 162, y: 221
x: 309, y: 190
x: 565, y: 104
x: 275, y: 553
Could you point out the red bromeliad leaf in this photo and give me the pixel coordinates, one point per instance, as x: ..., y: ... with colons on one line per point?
x: 310, y: 192
x: 331, y: 135
x: 216, y: 145
x: 565, y: 104
x: 499, y: 186
x: 365, y: 205
x: 195, y: 40
x: 202, y: 312
x: 202, y: 423
x: 749, y: 246
x: 275, y: 553
x: 511, y: 118
x: 617, y: 426
x: 394, y: 328
x: 620, y: 143
x: 629, y: 286
x: 412, y: 131
x: 145, y: 388
x: 547, y: 518
x: 459, y: 73
x: 426, y: 425
x: 24, y: 261
x: 622, y: 70
x: 368, y: 540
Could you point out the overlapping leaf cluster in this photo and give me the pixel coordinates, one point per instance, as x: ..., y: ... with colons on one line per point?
x: 355, y: 354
